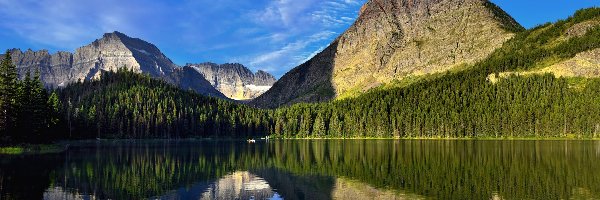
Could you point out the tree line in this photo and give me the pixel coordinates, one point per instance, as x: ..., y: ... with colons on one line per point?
x: 125, y: 104
x: 465, y: 103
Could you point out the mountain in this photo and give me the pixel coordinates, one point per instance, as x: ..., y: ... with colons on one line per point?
x: 111, y: 52
x: 234, y: 80
x: 393, y: 40
x: 553, y: 91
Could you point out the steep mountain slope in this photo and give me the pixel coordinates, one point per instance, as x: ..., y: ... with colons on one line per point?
x: 394, y: 39
x: 466, y: 103
x: 455, y: 104
x: 109, y: 53
x: 234, y: 80
x: 584, y: 64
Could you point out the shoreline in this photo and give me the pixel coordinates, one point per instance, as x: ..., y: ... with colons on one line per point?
x: 59, y: 147
x: 33, y: 149
x: 440, y: 138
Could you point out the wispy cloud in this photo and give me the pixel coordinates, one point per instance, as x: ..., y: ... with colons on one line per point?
x: 69, y: 23
x: 321, y: 21
x: 289, y: 54
x: 272, y: 35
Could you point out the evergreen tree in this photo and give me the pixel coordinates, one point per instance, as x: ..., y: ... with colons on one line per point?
x: 25, y: 118
x: 40, y: 109
x: 8, y: 96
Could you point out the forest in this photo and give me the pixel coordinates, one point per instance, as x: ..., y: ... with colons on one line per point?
x: 461, y: 104
x: 126, y: 104
x: 465, y: 104
x: 28, y: 113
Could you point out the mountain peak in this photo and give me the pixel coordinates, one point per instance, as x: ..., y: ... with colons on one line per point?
x: 235, y: 80
x: 424, y: 8
x: 116, y: 34
x: 113, y: 51
x: 506, y: 21
x: 394, y: 39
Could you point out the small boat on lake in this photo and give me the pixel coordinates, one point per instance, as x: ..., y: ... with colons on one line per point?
x: 251, y: 141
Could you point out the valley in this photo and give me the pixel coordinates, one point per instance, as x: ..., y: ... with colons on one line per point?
x: 436, y: 99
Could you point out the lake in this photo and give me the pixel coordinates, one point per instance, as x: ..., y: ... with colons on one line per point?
x: 308, y: 169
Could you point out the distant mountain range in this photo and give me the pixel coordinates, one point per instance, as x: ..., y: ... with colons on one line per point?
x: 116, y: 50
x: 234, y: 80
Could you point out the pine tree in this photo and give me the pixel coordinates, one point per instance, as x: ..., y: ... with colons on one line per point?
x: 54, y: 109
x: 25, y: 123
x: 40, y: 113
x: 319, y: 126
x: 8, y: 96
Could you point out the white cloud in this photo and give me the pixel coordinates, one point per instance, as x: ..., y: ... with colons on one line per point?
x: 290, y: 55
x: 68, y: 24
x: 272, y: 35
x: 283, y: 13
x: 293, y: 18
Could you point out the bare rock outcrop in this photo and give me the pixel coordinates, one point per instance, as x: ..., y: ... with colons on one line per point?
x: 111, y: 52
x: 394, y: 39
x: 235, y: 80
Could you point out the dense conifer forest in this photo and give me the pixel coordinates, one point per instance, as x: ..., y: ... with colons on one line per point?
x: 452, y: 105
x: 129, y: 105
x: 465, y: 103
x: 27, y: 112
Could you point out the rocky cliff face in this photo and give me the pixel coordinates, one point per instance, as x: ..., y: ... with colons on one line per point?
x: 234, y: 80
x: 394, y: 39
x: 109, y: 53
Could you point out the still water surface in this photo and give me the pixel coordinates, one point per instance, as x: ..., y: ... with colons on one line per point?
x: 308, y: 169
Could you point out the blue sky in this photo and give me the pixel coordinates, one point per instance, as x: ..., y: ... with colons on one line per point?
x: 271, y: 35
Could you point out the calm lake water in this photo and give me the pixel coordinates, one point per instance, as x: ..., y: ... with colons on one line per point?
x: 308, y: 169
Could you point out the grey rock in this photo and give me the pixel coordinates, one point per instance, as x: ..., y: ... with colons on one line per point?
x: 109, y: 53
x: 392, y: 40
x: 235, y: 80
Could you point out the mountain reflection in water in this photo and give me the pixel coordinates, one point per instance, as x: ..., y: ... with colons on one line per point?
x: 238, y: 185
x: 308, y: 169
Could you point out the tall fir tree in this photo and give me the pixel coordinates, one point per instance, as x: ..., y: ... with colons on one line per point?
x: 24, y: 119
x: 40, y: 107
x: 8, y: 96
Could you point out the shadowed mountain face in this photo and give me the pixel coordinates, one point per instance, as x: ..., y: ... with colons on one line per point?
x: 234, y: 80
x: 109, y: 53
x: 309, y: 82
x: 392, y: 40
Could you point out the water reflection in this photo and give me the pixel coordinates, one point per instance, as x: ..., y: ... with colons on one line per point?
x: 309, y: 169
x: 238, y: 185
x: 351, y: 189
x: 60, y: 193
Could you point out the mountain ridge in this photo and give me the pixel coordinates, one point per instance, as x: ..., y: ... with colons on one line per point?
x: 235, y: 80
x: 394, y: 39
x: 113, y: 51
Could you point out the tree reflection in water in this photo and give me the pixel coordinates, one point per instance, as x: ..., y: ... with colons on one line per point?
x: 308, y: 169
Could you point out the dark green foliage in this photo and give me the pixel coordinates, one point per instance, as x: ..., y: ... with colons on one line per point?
x: 130, y: 105
x: 8, y: 96
x: 465, y: 104
x: 458, y: 104
x: 432, y: 169
x: 26, y: 113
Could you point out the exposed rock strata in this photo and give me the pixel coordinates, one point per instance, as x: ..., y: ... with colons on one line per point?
x: 393, y: 39
x: 234, y: 80
x: 109, y: 53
